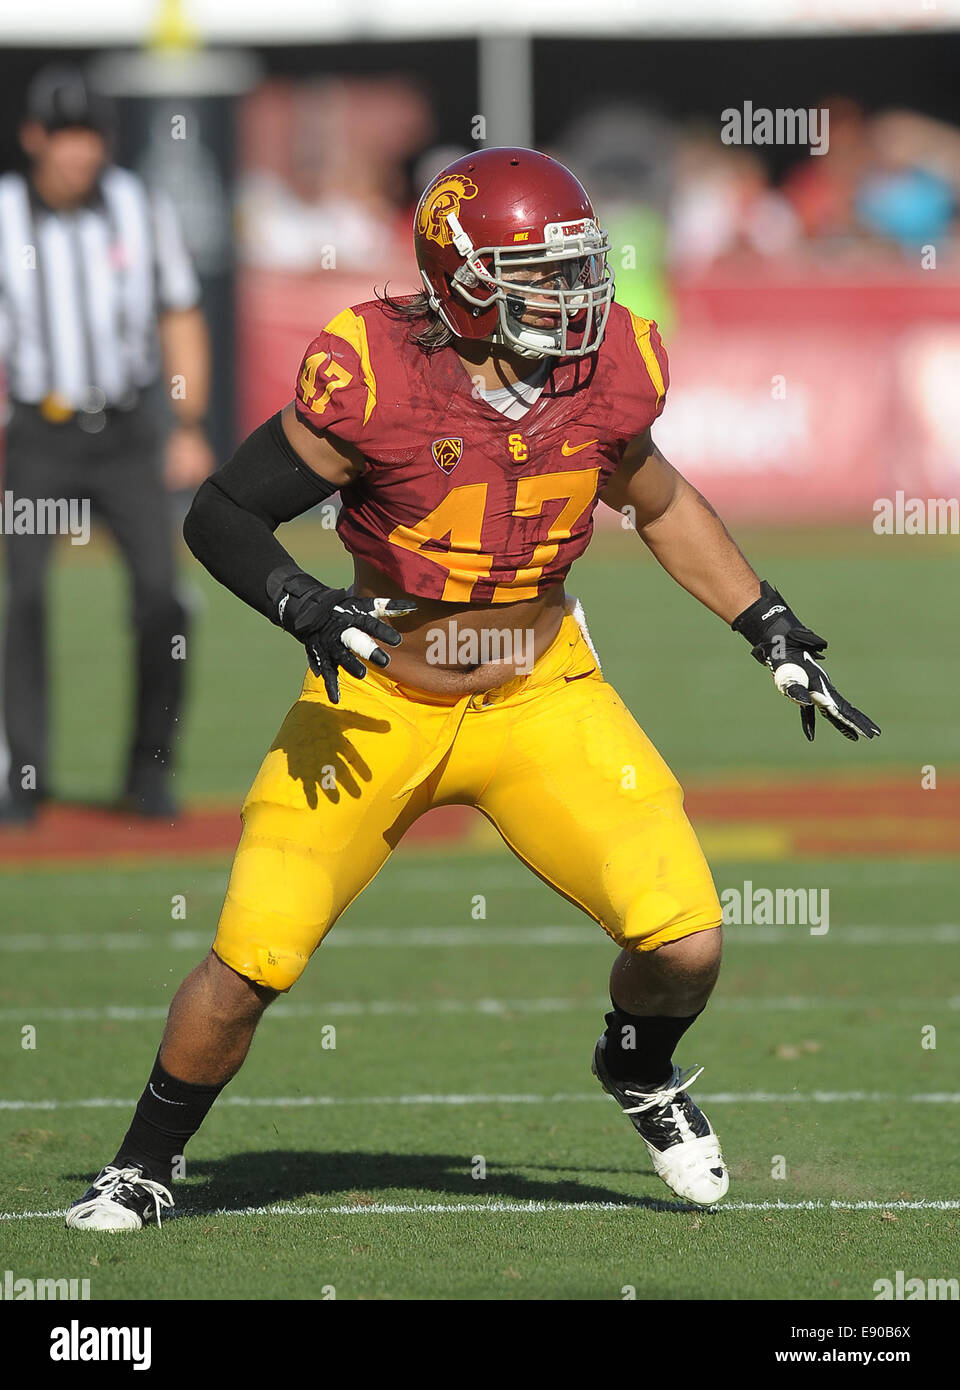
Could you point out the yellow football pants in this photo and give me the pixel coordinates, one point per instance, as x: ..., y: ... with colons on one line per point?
x: 554, y: 759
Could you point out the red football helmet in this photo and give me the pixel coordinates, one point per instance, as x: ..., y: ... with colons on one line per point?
x: 509, y: 251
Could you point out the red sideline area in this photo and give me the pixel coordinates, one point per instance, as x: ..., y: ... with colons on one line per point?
x: 892, y: 815
x: 78, y: 832
x: 889, y: 816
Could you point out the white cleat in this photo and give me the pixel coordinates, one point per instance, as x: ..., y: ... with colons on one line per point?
x: 680, y: 1139
x: 119, y: 1199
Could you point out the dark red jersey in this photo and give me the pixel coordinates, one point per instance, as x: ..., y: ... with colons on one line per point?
x: 458, y: 502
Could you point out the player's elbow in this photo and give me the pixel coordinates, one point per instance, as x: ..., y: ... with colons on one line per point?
x: 193, y: 522
x: 663, y: 490
x: 203, y: 520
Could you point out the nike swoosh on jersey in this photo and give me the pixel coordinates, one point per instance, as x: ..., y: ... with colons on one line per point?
x: 567, y: 448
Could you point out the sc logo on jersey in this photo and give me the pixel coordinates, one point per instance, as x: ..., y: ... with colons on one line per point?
x: 518, y: 450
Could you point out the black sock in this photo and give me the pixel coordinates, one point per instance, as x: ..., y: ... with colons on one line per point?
x: 168, y: 1114
x: 640, y: 1048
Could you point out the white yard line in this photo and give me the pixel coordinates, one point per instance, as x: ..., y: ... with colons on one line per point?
x: 483, y: 1098
x: 532, y: 1208
x: 352, y: 1008
x: 478, y: 936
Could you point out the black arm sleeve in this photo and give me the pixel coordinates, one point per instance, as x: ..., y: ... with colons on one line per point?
x: 231, y: 523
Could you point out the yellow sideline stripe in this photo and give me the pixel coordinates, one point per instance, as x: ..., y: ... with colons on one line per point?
x: 352, y: 329
x: 723, y: 843
x: 641, y: 331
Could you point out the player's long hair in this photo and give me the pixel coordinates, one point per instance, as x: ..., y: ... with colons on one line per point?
x: 434, y: 334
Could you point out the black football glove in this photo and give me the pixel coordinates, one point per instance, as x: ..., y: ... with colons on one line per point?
x: 779, y: 640
x: 336, y: 628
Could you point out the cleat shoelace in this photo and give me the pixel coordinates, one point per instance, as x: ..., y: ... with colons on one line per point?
x: 667, y: 1095
x: 111, y: 1180
x: 686, y: 1155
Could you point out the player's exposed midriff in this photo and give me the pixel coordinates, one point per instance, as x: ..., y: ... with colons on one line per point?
x: 462, y: 648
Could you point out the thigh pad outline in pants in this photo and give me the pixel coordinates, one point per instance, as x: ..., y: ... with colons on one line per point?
x: 320, y: 820
x: 585, y: 799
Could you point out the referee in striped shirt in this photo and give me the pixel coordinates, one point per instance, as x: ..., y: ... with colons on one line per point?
x: 98, y: 298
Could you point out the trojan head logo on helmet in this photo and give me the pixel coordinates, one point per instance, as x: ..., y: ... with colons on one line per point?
x: 510, y: 252
x: 444, y: 196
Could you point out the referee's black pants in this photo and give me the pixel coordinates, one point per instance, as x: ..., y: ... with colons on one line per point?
x: 119, y: 470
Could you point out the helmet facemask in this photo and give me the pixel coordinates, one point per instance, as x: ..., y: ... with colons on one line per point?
x: 564, y: 281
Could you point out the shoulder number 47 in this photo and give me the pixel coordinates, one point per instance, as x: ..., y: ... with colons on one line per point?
x: 336, y: 375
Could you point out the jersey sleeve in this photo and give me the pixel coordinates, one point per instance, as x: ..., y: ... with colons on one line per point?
x: 336, y: 388
x: 651, y: 376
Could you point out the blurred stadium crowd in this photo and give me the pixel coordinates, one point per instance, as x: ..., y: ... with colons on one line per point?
x: 336, y: 167
x: 771, y: 251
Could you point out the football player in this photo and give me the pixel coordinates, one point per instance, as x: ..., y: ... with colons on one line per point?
x: 470, y: 431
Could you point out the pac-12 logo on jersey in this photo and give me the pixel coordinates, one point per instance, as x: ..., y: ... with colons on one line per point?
x: 446, y: 453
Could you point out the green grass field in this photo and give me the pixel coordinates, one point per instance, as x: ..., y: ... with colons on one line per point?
x: 692, y: 684
x: 458, y: 1041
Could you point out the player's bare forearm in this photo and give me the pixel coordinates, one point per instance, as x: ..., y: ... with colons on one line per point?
x: 682, y: 530
x: 696, y: 549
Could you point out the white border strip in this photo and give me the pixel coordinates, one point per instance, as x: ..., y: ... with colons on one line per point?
x: 304, y: 22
